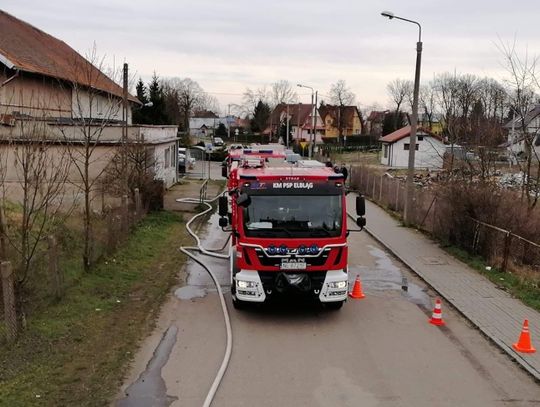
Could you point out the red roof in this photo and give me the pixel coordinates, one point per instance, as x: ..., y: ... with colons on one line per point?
x: 28, y: 49
x: 405, y: 132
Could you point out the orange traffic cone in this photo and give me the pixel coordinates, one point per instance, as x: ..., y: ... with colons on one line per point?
x: 524, y: 343
x: 357, y: 289
x: 436, y: 317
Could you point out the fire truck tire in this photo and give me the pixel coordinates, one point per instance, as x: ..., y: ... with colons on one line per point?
x: 333, y: 306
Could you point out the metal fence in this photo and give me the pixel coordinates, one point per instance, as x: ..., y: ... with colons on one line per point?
x: 501, y: 248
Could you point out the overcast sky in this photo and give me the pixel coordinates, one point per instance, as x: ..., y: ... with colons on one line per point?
x: 227, y: 46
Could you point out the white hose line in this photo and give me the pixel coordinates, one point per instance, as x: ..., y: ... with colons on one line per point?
x: 210, y: 252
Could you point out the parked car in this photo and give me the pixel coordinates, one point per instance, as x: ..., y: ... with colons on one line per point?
x: 182, y: 159
x: 218, y: 141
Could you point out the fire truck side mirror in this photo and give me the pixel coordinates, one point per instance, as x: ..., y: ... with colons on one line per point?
x: 360, y: 206
x: 361, y: 222
x: 244, y: 200
x: 223, y: 206
x: 224, y: 171
x: 223, y: 222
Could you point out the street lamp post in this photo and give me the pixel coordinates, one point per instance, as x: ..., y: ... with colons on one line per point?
x: 229, y: 124
x: 313, y: 121
x: 409, y: 190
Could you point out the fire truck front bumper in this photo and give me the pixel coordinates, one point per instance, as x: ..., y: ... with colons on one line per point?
x: 327, y: 286
x: 335, y: 286
x: 248, y: 286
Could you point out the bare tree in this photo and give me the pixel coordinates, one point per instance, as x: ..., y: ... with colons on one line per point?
x: 252, y: 97
x: 94, y: 112
x: 36, y: 181
x: 399, y: 91
x: 428, y: 104
x: 282, y: 92
x: 342, y: 96
x: 523, y: 83
x: 185, y: 95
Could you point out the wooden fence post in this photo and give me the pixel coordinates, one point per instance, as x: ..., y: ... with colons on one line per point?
x: 10, y: 310
x: 54, y: 271
x: 397, y: 194
x: 506, y: 252
x: 138, y: 208
x: 380, y: 189
x: 125, y: 216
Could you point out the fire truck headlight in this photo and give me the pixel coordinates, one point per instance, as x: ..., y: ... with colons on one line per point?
x: 246, y: 284
x: 272, y: 249
x: 302, y: 250
x: 283, y: 249
x: 337, y: 284
x: 314, y: 249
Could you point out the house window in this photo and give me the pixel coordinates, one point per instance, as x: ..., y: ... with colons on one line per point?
x: 167, y: 157
x: 406, y: 147
x: 173, y: 157
x: 386, y: 151
x: 420, y: 138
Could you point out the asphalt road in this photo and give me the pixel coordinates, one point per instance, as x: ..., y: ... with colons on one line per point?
x: 379, y: 351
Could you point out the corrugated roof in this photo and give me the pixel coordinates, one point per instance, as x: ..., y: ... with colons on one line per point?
x: 28, y: 49
x: 405, y: 132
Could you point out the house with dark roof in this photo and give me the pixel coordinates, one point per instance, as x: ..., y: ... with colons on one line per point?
x: 43, y: 80
x: 375, y: 122
x: 430, y: 149
x: 300, y: 117
x: 340, y: 120
x: 522, y: 131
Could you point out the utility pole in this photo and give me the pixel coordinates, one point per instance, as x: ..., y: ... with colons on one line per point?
x: 229, y: 123
x: 125, y: 126
x: 287, y: 135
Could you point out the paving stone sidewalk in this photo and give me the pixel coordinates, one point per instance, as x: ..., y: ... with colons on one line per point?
x: 492, y: 310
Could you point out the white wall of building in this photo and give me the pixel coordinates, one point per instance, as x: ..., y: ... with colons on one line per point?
x: 166, y: 163
x: 429, y: 154
x: 85, y: 105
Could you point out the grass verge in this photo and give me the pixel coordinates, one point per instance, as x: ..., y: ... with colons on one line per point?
x: 74, y: 352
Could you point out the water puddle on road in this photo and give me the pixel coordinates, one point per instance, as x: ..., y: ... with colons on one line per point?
x: 190, y: 292
x: 199, y: 283
x: 387, y: 276
x: 150, y: 389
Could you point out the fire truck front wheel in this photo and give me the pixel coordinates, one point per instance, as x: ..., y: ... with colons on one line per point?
x: 237, y: 304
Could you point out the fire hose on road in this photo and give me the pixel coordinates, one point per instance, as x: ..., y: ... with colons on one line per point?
x: 188, y: 250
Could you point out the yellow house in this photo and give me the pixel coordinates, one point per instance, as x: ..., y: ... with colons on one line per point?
x: 344, y: 118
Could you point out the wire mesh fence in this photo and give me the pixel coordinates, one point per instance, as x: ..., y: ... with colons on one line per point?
x: 502, y: 248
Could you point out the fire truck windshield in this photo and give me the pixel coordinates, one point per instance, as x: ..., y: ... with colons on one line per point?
x: 293, y: 216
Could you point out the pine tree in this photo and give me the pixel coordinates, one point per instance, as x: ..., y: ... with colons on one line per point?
x: 139, y: 113
x: 260, y: 116
x: 156, y: 113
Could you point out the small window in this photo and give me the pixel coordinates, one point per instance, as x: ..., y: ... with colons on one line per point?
x: 167, y: 157
x: 420, y: 138
x: 386, y: 151
x: 406, y: 147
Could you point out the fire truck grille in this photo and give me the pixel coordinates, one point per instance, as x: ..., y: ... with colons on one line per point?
x: 270, y: 278
x: 276, y: 261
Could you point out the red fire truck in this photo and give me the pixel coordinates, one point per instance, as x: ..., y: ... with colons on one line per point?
x: 289, y: 229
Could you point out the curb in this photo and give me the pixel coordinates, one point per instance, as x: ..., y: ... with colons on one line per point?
x: 516, y: 357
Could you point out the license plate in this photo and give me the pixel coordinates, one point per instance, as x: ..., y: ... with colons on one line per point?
x: 293, y: 266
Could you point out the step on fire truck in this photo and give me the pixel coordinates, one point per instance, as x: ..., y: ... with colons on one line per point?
x: 289, y: 228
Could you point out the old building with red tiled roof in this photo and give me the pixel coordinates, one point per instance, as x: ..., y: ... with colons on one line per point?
x: 41, y: 75
x: 51, y: 95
